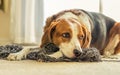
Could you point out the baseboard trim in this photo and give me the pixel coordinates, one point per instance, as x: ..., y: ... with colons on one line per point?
x: 4, y: 41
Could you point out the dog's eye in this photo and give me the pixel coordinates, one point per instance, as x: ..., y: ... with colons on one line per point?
x: 81, y: 37
x: 66, y: 35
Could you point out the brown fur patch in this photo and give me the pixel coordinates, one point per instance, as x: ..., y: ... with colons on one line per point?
x: 113, y: 46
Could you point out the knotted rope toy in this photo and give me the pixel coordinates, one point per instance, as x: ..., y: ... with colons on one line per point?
x: 90, y: 55
x: 7, y: 49
x: 42, y: 54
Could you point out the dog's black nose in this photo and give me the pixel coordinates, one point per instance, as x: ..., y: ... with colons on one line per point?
x: 76, y: 52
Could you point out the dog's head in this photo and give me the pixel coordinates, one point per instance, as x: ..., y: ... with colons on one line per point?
x: 69, y: 35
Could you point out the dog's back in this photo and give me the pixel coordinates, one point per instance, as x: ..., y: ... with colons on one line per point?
x: 100, y: 27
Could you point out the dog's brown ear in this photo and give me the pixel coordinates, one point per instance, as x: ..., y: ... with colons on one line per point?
x: 47, y: 28
x: 49, y: 20
x: 48, y: 33
x: 87, y: 38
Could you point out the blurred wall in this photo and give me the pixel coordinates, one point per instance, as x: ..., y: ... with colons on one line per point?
x: 53, y: 6
x: 112, y: 8
x: 5, y: 23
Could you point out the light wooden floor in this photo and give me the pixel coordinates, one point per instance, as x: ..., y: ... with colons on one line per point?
x: 29, y: 67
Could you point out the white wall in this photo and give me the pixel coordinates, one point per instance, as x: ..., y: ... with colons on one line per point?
x: 53, y: 6
x: 112, y: 8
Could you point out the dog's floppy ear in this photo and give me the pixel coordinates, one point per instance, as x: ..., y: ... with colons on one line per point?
x: 48, y: 33
x: 87, y: 38
x: 45, y: 37
x: 49, y: 20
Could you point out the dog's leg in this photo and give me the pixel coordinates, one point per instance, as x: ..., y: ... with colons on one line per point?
x: 113, y: 46
x: 110, y: 48
x: 117, y: 49
x: 19, y: 55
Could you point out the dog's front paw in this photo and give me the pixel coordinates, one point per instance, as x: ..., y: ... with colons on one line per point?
x: 19, y: 55
x: 15, y: 56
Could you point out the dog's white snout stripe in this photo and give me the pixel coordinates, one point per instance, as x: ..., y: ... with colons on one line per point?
x: 77, y: 46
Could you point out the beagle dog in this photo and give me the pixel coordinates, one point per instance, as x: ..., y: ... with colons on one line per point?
x: 72, y: 30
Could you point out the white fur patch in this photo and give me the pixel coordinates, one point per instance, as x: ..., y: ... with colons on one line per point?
x: 84, y: 19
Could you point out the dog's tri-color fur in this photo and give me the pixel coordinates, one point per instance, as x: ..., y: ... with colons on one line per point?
x: 72, y: 30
